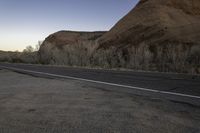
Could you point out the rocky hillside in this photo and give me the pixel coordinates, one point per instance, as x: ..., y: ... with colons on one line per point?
x: 157, y: 35
x: 62, y: 38
x: 161, y: 35
x: 57, y: 48
x: 157, y: 22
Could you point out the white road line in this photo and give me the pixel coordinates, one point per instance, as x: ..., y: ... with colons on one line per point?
x: 106, y: 83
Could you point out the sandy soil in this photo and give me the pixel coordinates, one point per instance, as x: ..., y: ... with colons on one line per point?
x: 37, y: 105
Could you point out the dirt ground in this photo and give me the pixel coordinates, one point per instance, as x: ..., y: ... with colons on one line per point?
x: 39, y: 105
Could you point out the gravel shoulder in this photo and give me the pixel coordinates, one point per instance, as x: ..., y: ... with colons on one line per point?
x: 39, y: 105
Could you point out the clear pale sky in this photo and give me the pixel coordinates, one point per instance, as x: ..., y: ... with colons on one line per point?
x: 25, y: 22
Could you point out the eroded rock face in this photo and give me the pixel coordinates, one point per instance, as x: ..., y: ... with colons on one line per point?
x: 161, y: 35
x: 70, y: 37
x: 157, y: 22
x: 62, y: 42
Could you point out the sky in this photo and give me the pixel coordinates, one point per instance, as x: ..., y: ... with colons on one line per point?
x: 25, y: 22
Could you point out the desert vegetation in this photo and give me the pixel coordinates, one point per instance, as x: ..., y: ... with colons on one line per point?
x: 71, y: 55
x: 181, y: 58
x: 28, y: 55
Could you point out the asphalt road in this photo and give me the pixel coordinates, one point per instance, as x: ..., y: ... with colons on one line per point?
x: 172, y: 83
x: 31, y: 104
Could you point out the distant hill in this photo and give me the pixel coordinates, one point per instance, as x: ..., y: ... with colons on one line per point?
x: 63, y: 41
x: 157, y: 35
x: 71, y: 37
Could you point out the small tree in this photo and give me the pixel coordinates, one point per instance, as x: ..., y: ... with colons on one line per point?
x: 37, y: 47
x: 28, y: 49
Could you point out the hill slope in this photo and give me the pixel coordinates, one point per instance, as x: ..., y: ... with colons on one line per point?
x: 161, y: 35
x: 67, y: 47
x: 157, y: 35
x: 157, y: 21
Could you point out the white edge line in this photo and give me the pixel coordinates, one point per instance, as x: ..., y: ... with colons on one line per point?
x: 106, y: 83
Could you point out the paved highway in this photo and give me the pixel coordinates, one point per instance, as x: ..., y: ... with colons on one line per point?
x: 181, y: 85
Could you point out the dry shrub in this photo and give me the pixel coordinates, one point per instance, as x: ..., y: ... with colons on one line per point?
x: 72, y: 55
x: 10, y: 57
x: 29, y: 57
x: 170, y: 57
